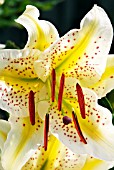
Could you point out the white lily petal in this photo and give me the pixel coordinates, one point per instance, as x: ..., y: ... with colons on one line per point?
x: 18, y: 63
x: 41, y: 33
x: 106, y: 83
x: 57, y: 157
x: 4, y: 129
x: 17, y: 78
x: 80, y: 53
x: 22, y: 141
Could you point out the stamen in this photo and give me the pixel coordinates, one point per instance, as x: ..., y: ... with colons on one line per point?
x: 77, y: 127
x: 46, y: 130
x: 61, y: 88
x: 53, y: 85
x: 67, y: 120
x: 81, y: 100
x: 32, y: 107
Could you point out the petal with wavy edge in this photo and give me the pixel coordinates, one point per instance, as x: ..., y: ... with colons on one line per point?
x: 14, y: 94
x: 18, y: 63
x: 106, y: 83
x: 80, y: 53
x: 57, y: 157
x: 4, y: 129
x: 22, y: 141
x: 97, y: 128
x: 41, y: 33
x: 96, y: 164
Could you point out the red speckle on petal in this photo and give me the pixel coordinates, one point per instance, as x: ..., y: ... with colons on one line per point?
x: 72, y: 47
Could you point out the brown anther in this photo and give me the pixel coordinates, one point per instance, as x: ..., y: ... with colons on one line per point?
x: 53, y: 85
x: 81, y: 100
x: 46, y: 130
x: 61, y: 88
x: 77, y: 127
x: 31, y: 107
x: 67, y: 120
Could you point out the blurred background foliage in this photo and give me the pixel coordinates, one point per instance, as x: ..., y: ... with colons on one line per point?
x: 64, y: 14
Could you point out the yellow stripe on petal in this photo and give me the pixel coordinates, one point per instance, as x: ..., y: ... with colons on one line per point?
x: 22, y: 141
x: 80, y: 53
x: 41, y: 33
x: 96, y: 164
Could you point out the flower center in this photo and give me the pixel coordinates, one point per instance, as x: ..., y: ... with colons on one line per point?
x: 67, y: 120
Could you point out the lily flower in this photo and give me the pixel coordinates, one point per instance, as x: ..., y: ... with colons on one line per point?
x: 71, y: 112
x: 59, y: 156
x: 78, y: 60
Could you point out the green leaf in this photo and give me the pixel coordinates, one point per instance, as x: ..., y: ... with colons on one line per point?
x: 106, y: 103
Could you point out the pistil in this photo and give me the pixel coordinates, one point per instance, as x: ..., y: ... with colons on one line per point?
x: 31, y: 107
x: 53, y: 85
x: 77, y: 127
x: 67, y: 120
x: 61, y: 88
x: 46, y: 130
x: 81, y: 100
